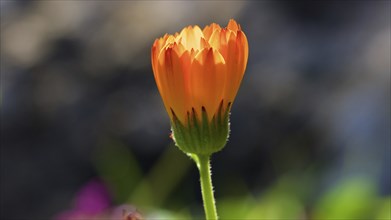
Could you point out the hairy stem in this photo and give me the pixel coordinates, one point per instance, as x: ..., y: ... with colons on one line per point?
x: 206, y: 187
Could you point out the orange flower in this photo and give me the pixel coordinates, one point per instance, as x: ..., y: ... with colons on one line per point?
x: 200, y: 69
x: 198, y: 73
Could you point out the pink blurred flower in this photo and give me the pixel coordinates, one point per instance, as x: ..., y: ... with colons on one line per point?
x: 93, y: 202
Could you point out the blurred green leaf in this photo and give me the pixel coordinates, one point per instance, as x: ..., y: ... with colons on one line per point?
x: 351, y: 199
x: 276, y: 205
x: 384, y: 209
x: 119, y: 168
x: 297, y: 185
x: 235, y: 207
x: 165, y: 175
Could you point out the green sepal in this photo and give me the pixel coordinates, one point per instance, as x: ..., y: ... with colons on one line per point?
x: 201, y: 136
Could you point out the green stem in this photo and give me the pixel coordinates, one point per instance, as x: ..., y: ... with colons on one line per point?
x: 206, y: 187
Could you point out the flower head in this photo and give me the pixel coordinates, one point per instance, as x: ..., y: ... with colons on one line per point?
x: 198, y: 72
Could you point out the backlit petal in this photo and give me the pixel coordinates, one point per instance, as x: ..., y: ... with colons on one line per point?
x: 173, y: 79
x: 207, y: 81
x: 232, y: 25
x: 190, y: 37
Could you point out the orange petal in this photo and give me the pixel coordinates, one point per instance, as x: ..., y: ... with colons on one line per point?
x: 223, y: 42
x: 233, y: 71
x: 214, y: 39
x: 179, y: 48
x: 232, y: 25
x: 173, y: 72
x: 208, y: 30
x: 190, y: 37
x: 242, y: 43
x: 208, y: 76
x: 204, y: 43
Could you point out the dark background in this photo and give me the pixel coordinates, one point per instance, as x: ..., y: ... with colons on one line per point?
x: 76, y: 80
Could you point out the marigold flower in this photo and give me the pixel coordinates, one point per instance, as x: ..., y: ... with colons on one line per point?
x: 198, y: 74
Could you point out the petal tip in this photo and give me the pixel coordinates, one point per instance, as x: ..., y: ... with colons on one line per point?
x: 233, y: 25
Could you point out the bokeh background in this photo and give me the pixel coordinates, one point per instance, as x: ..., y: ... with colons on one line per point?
x: 83, y: 127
